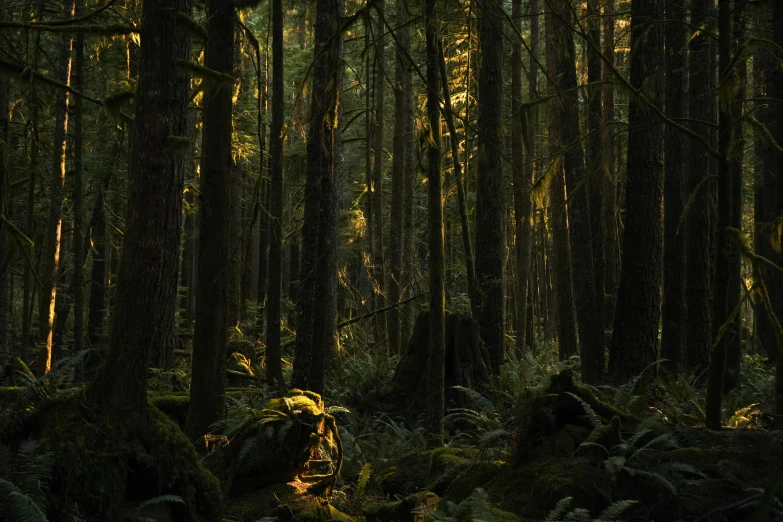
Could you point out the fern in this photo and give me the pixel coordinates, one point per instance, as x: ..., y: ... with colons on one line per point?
x: 592, y: 416
x: 476, y: 398
x: 615, y: 511
x: 16, y: 506
x: 364, y: 479
x: 161, y: 499
x: 561, y: 508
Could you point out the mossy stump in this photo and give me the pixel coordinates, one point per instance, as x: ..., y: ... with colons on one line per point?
x: 104, y: 469
x: 286, y: 440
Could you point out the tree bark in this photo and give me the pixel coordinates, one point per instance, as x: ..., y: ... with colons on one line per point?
x: 436, y: 362
x: 521, y: 177
x: 147, y: 275
x: 490, y: 202
x: 675, y: 189
x: 612, y: 242
x: 775, y: 92
x: 379, y: 261
x: 701, y: 218
x: 316, y: 307
x: 5, y: 238
x: 635, y: 340
x: 720, y: 311
x: 207, y: 401
x: 78, y: 193
x: 402, y: 147
x: 274, y: 368
x: 51, y: 260
x: 566, y: 112
x: 736, y: 158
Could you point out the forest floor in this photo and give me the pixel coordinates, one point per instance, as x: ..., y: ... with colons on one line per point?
x: 535, y: 446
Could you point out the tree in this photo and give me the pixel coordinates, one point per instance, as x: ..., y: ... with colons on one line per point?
x: 316, y: 306
x: 274, y: 369
x: 46, y: 304
x: 207, y: 401
x: 612, y: 242
x: 78, y: 192
x: 147, y: 274
x: 675, y: 190
x: 522, y: 180
x: 5, y: 236
x: 402, y: 147
x: 436, y: 361
x: 635, y: 339
x: 701, y: 218
x: 566, y: 114
x: 489, y: 190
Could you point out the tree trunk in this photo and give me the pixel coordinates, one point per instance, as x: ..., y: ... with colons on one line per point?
x: 77, y: 283
x: 46, y: 304
x: 403, y: 133
x: 675, y: 189
x: 274, y: 368
x: 635, y: 339
x: 207, y: 402
x: 436, y: 361
x: 566, y: 112
x: 379, y: 261
x: 489, y: 190
x: 736, y: 158
x: 701, y: 218
x: 596, y: 170
x: 147, y: 275
x: 775, y: 92
x: 720, y: 313
x: 521, y: 178
x: 612, y: 243
x: 316, y: 307
x: 5, y: 238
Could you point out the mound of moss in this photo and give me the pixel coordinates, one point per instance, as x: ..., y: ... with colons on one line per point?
x: 289, y: 438
x: 287, y: 502
x: 104, y: 470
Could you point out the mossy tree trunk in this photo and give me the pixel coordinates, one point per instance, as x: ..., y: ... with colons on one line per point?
x: 147, y: 275
x: 675, y: 190
x: 379, y: 83
x: 436, y: 360
x: 317, y: 303
x: 207, y: 401
x: 775, y: 91
x: 274, y: 368
x: 635, y: 339
x: 489, y: 190
x: 612, y: 244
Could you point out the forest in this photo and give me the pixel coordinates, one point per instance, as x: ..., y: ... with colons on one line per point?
x: 391, y: 260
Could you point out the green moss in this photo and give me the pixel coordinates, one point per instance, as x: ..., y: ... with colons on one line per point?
x: 534, y: 489
x: 401, y: 510
x: 607, y: 436
x: 288, y: 502
x: 106, y: 469
x: 568, y: 439
x: 175, y: 406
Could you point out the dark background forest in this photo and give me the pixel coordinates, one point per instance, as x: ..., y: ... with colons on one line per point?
x: 391, y: 260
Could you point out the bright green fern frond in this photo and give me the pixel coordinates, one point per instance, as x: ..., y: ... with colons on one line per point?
x: 364, y: 479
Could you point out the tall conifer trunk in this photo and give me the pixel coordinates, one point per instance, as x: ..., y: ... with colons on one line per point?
x: 53, y: 235
x: 490, y: 201
x: 147, y: 275
x: 635, y: 338
x: 207, y: 401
